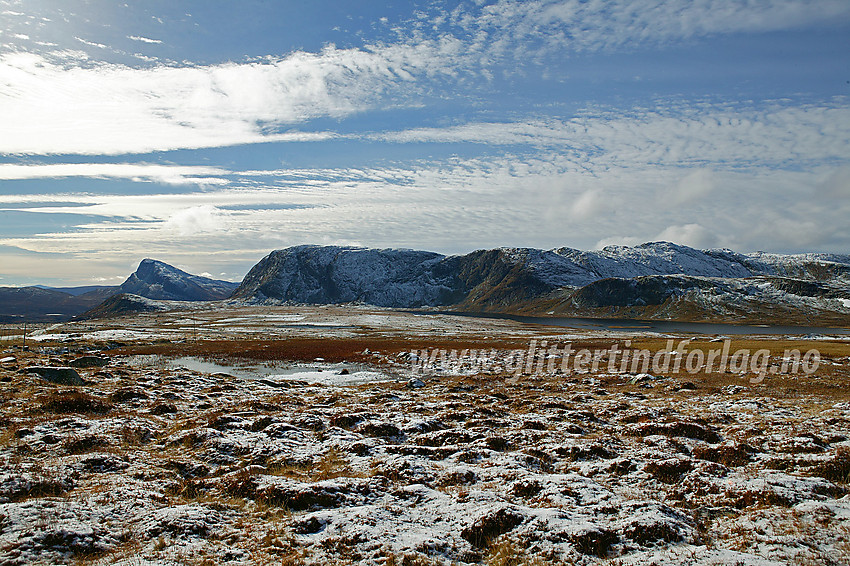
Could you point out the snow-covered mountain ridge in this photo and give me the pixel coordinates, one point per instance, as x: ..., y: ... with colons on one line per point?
x: 561, y: 280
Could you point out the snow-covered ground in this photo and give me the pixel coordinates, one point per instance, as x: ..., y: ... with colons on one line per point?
x: 158, y: 463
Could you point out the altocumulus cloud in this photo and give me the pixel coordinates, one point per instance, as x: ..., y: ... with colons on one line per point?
x: 63, y: 102
x: 774, y: 135
x: 577, y: 25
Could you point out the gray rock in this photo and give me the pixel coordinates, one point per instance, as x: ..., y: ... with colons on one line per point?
x: 89, y: 362
x: 58, y: 375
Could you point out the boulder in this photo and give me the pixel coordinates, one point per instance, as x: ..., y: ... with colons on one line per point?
x: 89, y: 362
x: 58, y: 375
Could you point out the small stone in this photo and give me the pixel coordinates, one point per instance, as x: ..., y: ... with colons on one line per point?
x: 416, y: 383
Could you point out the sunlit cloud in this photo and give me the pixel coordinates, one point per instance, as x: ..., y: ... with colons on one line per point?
x: 197, y: 220
x: 109, y: 109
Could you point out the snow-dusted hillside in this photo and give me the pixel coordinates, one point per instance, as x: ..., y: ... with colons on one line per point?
x: 124, y: 303
x: 685, y: 297
x: 334, y: 274
x: 657, y: 279
x: 157, y: 280
x: 659, y: 258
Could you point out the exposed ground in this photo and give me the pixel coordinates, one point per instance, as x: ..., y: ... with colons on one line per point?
x: 151, y: 462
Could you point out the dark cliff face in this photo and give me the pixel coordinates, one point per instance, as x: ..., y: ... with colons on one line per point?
x: 157, y: 280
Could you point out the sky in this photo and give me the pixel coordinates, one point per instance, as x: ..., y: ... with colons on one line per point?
x: 206, y: 134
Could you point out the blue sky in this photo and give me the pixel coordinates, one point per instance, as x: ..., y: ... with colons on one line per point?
x: 206, y: 134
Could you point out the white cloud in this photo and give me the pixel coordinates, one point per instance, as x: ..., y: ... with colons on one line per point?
x: 533, y: 132
x: 65, y: 103
x: 169, y: 174
x: 589, y: 204
x: 692, y: 235
x: 197, y: 220
x: 91, y: 43
x: 449, y: 207
x: 144, y: 39
x: 579, y: 25
x: 692, y: 187
x: 76, y: 107
x: 836, y: 185
x: 694, y: 136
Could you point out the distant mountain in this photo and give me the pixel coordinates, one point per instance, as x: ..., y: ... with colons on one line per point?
x: 77, y: 291
x: 40, y: 304
x: 654, y: 280
x: 157, y: 280
x: 657, y: 280
x: 152, y: 280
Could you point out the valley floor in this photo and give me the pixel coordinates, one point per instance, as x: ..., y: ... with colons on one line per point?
x: 297, y: 435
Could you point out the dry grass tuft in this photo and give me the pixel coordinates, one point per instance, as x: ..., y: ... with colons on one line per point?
x: 508, y: 553
x: 836, y: 469
x: 74, y: 402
